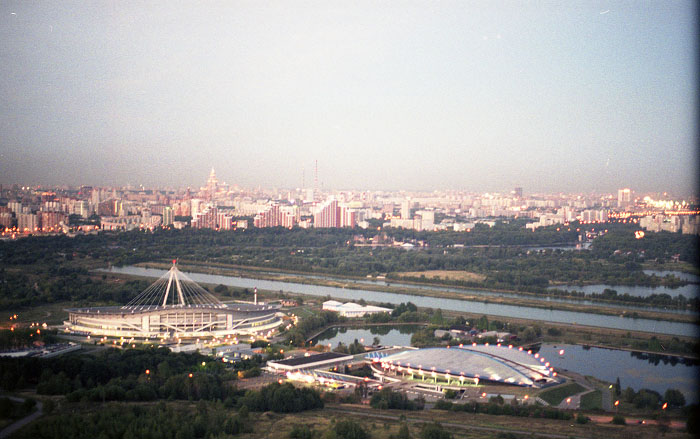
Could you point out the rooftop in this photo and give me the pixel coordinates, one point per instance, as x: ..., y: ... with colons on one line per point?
x: 494, y: 363
x: 299, y: 361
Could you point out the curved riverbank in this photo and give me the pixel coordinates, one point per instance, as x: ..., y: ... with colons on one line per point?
x: 458, y: 303
x: 468, y: 295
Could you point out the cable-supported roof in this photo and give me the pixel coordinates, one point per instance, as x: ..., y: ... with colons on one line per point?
x: 173, y: 289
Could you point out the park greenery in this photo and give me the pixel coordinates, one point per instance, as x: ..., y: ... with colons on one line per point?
x: 149, y: 374
x: 13, y: 410
x: 118, y: 420
x: 497, y: 406
x: 24, y: 337
x: 388, y: 399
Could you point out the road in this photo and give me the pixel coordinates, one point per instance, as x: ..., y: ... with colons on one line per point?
x: 573, y: 402
x: 7, y: 431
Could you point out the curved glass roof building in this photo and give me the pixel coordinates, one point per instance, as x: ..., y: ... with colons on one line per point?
x: 474, y: 363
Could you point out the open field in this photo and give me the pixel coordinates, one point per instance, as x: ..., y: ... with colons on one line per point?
x: 444, y: 275
x: 51, y: 314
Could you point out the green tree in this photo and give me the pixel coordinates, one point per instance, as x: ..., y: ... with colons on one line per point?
x: 349, y: 429
x: 434, y: 430
x: 618, y: 420
x: 674, y: 398
x: 301, y: 432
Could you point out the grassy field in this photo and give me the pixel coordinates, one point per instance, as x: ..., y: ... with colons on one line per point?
x: 592, y: 400
x: 557, y: 394
x: 51, y: 314
x: 445, y: 275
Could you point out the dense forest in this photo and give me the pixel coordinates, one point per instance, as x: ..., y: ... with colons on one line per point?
x: 149, y: 374
x: 101, y: 383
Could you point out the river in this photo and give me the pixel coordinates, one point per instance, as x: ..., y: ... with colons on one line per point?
x: 689, y: 290
x: 467, y: 306
x: 468, y: 291
x: 636, y: 370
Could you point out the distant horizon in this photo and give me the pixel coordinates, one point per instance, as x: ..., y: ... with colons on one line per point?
x: 457, y: 95
x: 501, y: 191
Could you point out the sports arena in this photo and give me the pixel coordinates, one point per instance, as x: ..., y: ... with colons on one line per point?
x: 467, y: 365
x: 174, y: 306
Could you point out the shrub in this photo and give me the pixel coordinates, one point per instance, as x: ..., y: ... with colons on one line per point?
x: 349, y: 429
x: 301, y: 432
x: 618, y: 420
x: 554, y: 332
x: 582, y: 419
x: 434, y: 431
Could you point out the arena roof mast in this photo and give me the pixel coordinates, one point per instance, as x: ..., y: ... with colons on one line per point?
x: 161, y: 293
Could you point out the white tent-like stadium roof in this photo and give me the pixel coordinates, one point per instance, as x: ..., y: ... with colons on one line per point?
x: 173, y: 289
x: 493, y: 363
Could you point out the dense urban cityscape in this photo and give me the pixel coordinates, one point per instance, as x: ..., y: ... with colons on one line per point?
x: 218, y: 206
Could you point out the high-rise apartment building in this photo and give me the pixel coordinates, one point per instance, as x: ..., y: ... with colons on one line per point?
x: 168, y: 216
x: 15, y: 207
x: 206, y: 219
x: 27, y: 222
x: 624, y: 198
x: 269, y: 217
x: 329, y: 214
x: 326, y: 215
x: 52, y: 220
x: 6, y: 219
x: 289, y: 216
x: 406, y: 209
x: 224, y: 220
x: 196, y: 206
x: 518, y: 192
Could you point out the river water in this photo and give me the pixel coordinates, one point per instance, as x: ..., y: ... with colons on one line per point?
x: 688, y: 291
x: 468, y: 291
x: 636, y: 370
x: 467, y: 306
x: 399, y: 335
x: 679, y: 274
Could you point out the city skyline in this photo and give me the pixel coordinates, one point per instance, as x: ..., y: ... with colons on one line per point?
x: 549, y: 97
x: 236, y: 188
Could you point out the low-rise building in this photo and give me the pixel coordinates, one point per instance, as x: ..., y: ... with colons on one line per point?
x: 325, y: 360
x: 350, y: 309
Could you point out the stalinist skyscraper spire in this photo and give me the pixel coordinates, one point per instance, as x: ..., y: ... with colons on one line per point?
x: 212, y: 185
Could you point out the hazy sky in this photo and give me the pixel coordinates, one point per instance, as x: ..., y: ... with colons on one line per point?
x: 475, y: 95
